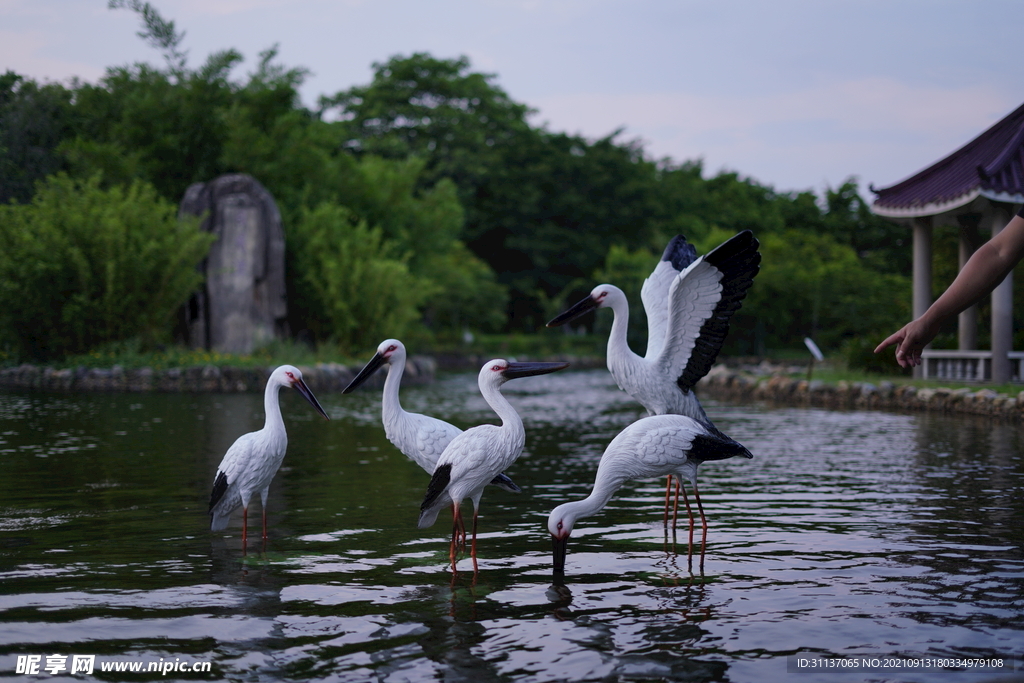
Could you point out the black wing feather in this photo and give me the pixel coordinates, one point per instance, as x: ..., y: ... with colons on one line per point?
x: 438, y: 484
x: 220, y: 487
x: 715, y: 446
x: 739, y: 261
x: 679, y: 253
x: 505, y: 482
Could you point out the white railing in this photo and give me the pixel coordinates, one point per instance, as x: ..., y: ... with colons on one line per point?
x: 966, y: 366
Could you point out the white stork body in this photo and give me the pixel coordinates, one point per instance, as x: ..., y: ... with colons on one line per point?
x: 476, y: 456
x: 419, y: 437
x: 254, y: 458
x: 651, y: 447
x: 688, y: 302
x: 643, y: 377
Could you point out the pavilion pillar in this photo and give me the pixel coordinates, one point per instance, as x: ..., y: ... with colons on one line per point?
x: 922, y: 271
x: 967, y: 323
x: 1002, y: 313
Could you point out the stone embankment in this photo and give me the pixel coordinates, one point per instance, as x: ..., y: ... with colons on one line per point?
x: 724, y: 383
x: 322, y: 377
x: 762, y: 383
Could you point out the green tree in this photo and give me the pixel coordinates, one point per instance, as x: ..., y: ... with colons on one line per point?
x: 468, y: 295
x: 139, y: 122
x: 157, y: 31
x: 421, y: 223
x: 810, y: 285
x: 165, y: 127
x: 360, y: 288
x: 81, y: 266
x: 881, y: 243
x: 435, y: 108
x: 34, y: 119
x: 206, y: 124
x: 541, y: 208
x: 552, y: 210
x: 475, y: 204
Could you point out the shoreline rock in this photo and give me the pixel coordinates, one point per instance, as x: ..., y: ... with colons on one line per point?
x: 772, y: 385
x: 321, y: 378
x: 723, y: 383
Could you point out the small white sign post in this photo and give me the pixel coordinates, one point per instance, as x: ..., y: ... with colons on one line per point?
x: 816, y: 355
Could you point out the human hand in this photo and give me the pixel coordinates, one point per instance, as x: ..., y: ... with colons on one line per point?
x: 910, y: 341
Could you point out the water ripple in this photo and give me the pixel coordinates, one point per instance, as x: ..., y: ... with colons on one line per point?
x: 847, y: 533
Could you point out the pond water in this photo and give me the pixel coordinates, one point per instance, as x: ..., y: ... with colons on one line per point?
x: 850, y: 534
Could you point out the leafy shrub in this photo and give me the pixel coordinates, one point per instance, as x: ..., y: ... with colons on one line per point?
x: 81, y: 266
x: 812, y: 286
x: 468, y: 294
x: 860, y: 355
x: 359, y: 292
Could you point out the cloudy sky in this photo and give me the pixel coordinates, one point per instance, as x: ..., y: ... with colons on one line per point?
x: 797, y: 94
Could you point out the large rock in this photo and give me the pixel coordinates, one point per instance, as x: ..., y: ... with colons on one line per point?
x: 242, y: 304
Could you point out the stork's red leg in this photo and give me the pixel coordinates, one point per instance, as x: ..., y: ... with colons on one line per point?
x: 675, y: 508
x: 462, y: 530
x: 689, y: 513
x: 245, y: 524
x: 456, y: 518
x: 704, y: 527
x: 668, y: 492
x: 460, y: 535
x: 472, y: 552
x: 264, y: 524
x: 454, y: 513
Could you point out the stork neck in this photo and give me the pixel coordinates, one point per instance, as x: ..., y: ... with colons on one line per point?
x: 390, y: 405
x: 604, y: 488
x: 510, y: 420
x: 618, y: 344
x: 272, y: 407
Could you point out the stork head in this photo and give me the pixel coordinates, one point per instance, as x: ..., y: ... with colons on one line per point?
x: 389, y: 351
x: 560, y: 524
x: 291, y: 376
x: 499, y: 370
x: 600, y: 296
x: 391, y: 348
x: 286, y: 376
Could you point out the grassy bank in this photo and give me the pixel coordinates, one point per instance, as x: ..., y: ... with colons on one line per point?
x: 835, y: 375
x: 545, y: 344
x: 131, y: 356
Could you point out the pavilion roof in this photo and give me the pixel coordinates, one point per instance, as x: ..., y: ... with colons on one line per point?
x: 991, y: 165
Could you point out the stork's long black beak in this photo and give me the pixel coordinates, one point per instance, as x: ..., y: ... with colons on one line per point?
x: 578, y: 309
x: 366, y: 372
x: 301, y: 387
x: 516, y: 370
x: 559, y: 548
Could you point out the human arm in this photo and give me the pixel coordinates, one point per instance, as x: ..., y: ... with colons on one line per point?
x: 983, y: 271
